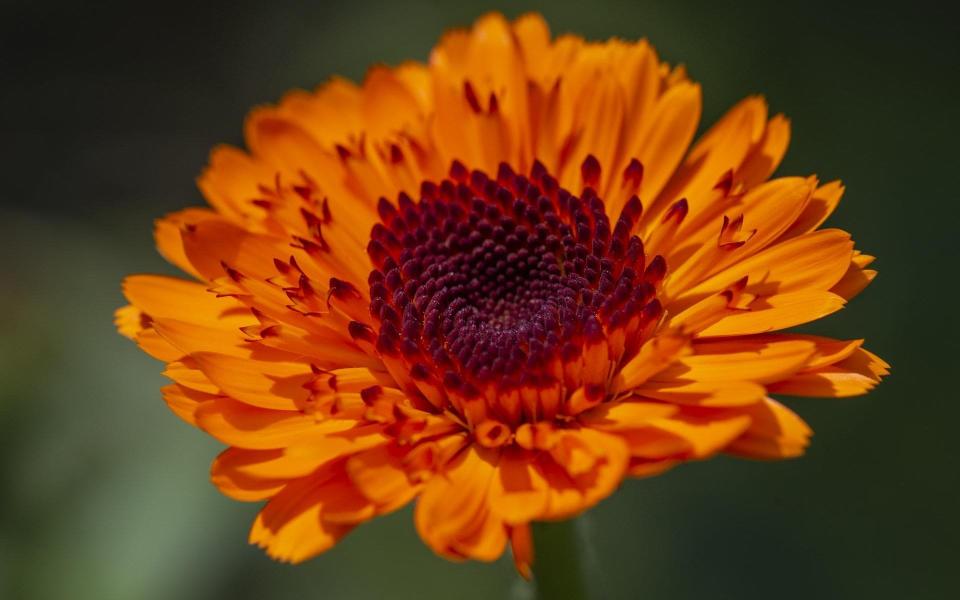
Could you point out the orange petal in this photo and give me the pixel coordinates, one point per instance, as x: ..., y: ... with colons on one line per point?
x: 533, y: 37
x: 453, y: 503
x: 129, y: 321
x: 286, y: 148
x: 703, y: 393
x: 723, y: 148
x: 167, y: 235
x: 189, y: 338
x: 856, y: 279
x: 388, y: 106
x: 587, y: 467
x: 246, y: 426
x: 291, y: 528
x: 379, y: 475
x: 706, y: 436
x: 600, y: 124
x: 331, y: 114
x: 853, y: 376
x: 484, y: 540
x: 227, y: 474
x: 626, y: 415
x: 186, y: 373
x: 655, y: 355
x: 822, y: 204
x: 775, y: 432
x: 666, y: 138
x: 306, y: 455
x: 521, y: 542
x: 777, y: 312
x: 826, y: 350
x: 231, y: 181
x: 265, y: 383
x: 815, y: 261
x: 184, y: 401
x: 766, y: 155
x: 762, y: 360
x: 649, y: 468
x: 652, y: 444
x: 212, y: 243
x: 518, y: 491
x: 159, y: 296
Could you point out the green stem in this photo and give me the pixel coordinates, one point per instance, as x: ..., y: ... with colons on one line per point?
x: 557, y: 569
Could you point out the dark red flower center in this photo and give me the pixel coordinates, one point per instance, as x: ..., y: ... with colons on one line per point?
x: 484, y: 279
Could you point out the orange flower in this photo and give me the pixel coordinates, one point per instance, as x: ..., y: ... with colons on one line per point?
x: 496, y: 284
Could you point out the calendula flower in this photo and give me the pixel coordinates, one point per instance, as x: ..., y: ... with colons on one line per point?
x: 495, y: 284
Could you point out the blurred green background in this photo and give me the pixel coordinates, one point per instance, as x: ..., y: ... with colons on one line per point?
x: 108, y: 113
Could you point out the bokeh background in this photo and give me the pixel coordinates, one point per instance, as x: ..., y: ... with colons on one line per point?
x: 108, y: 110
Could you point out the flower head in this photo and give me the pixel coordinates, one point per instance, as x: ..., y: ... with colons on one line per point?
x: 496, y: 284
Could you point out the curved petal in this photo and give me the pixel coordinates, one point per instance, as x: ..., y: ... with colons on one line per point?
x: 292, y: 527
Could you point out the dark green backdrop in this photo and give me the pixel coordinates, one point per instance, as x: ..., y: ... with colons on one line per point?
x: 107, y: 116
